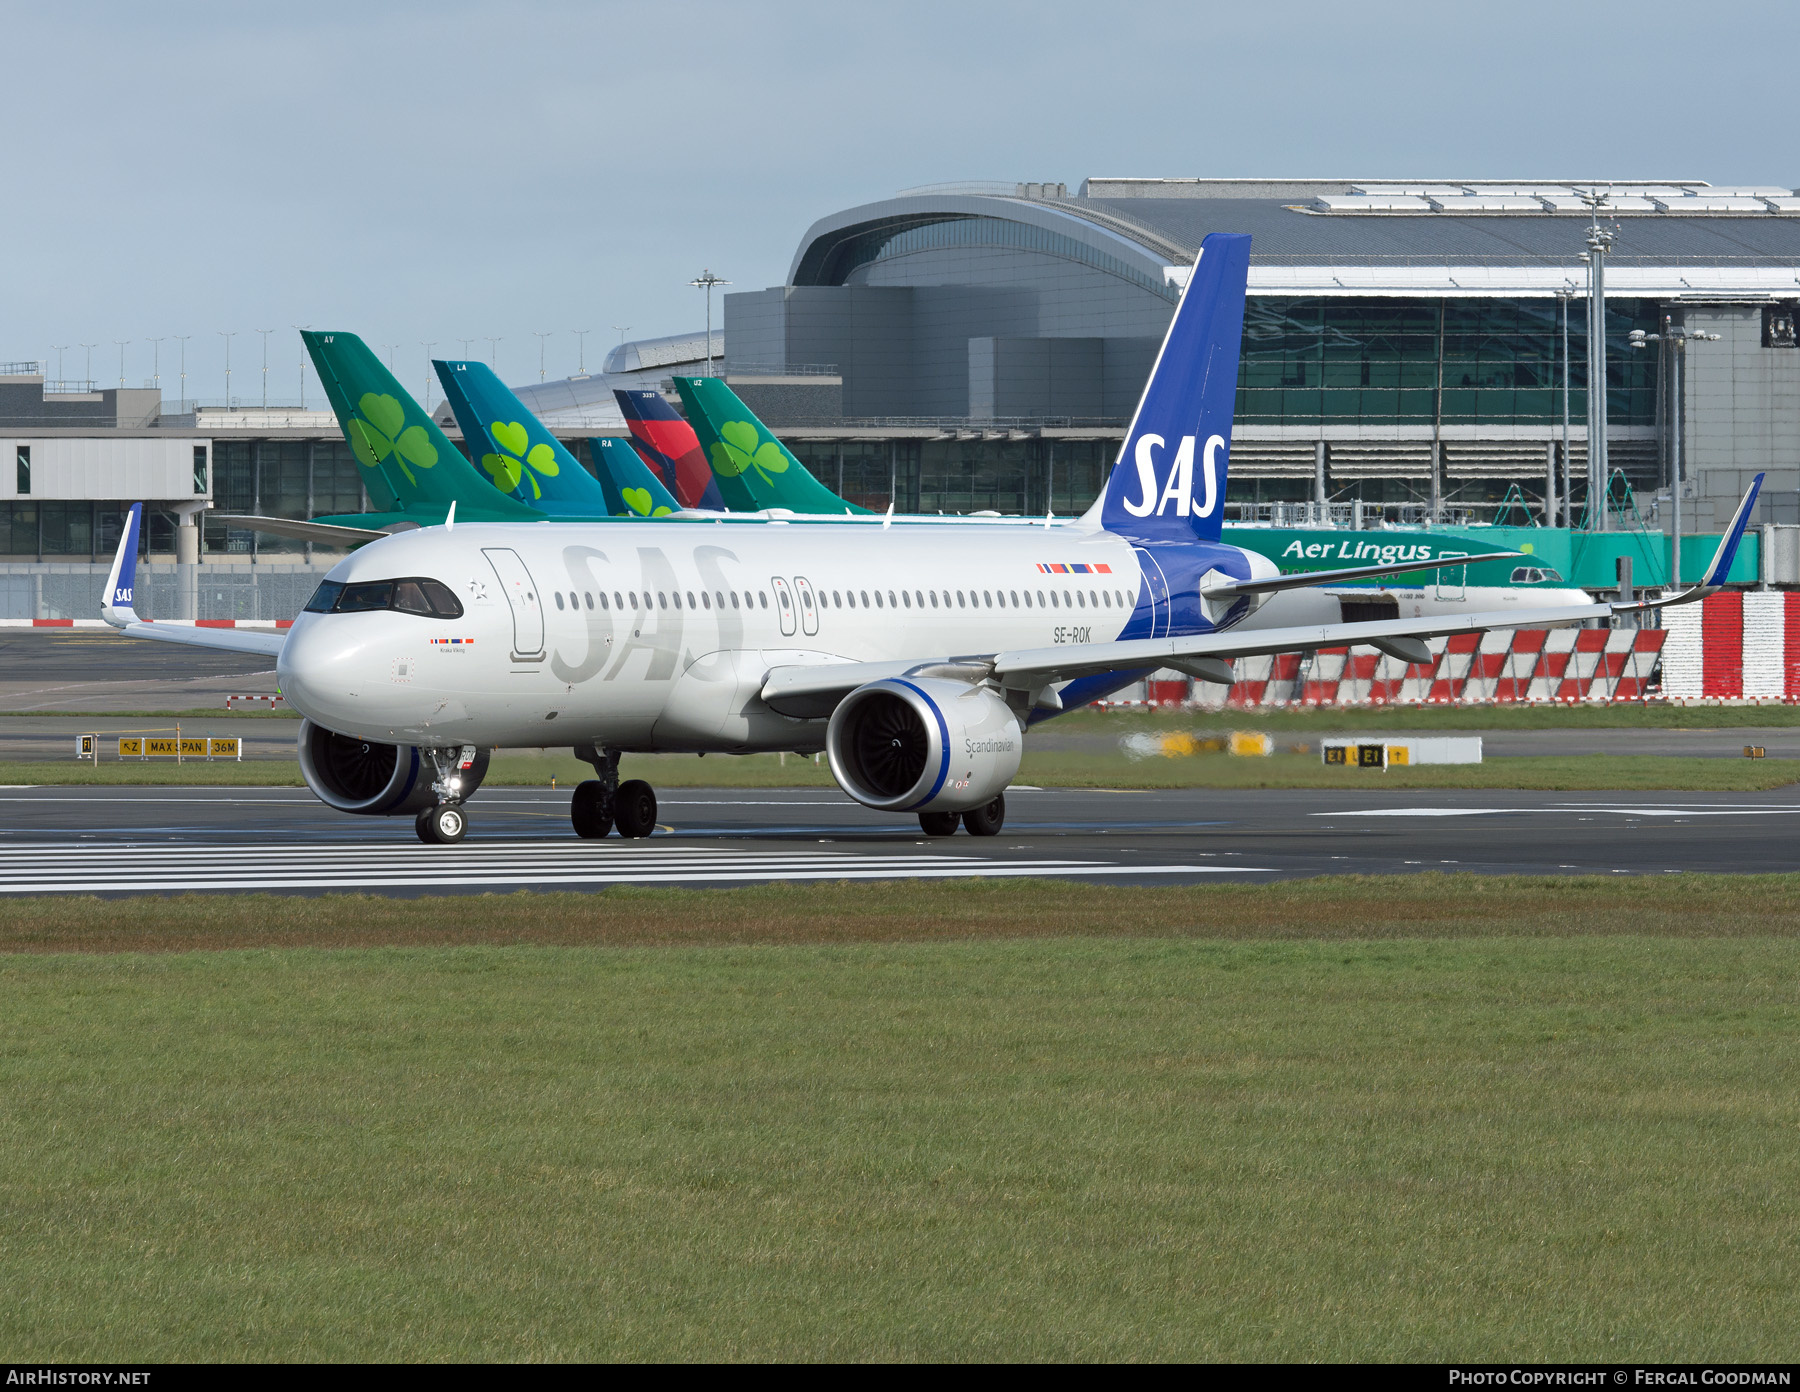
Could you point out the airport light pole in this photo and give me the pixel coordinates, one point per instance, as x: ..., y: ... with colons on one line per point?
x: 707, y: 280
x: 302, y: 328
x: 227, y: 337
x: 88, y: 371
x: 428, y: 347
x: 581, y: 349
x: 265, y: 337
x: 182, y: 339
x: 1599, y: 242
x: 540, y: 337
x: 122, y: 343
x: 58, y: 348
x: 392, y: 349
x: 465, y: 343
x: 494, y: 354
x: 1674, y: 341
x: 156, y: 363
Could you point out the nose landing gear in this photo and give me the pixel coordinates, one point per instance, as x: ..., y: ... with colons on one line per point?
x: 447, y: 822
x: 603, y: 803
x: 443, y: 825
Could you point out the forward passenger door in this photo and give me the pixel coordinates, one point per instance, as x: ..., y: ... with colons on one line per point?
x: 522, y: 595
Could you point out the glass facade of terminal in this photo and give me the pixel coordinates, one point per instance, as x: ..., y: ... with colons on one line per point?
x: 1356, y: 361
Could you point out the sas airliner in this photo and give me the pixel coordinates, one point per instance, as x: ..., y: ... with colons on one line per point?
x: 917, y: 657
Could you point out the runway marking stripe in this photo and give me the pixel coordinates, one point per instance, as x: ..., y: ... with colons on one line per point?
x: 938, y: 871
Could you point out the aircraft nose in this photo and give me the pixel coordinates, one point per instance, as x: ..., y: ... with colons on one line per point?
x: 317, y: 670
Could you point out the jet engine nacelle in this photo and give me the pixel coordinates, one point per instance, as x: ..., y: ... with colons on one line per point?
x: 923, y: 744
x: 376, y: 780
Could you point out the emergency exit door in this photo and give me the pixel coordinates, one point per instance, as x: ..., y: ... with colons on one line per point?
x: 522, y: 596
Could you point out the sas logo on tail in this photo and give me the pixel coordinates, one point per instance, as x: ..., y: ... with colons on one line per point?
x: 1180, y: 488
x: 122, y: 597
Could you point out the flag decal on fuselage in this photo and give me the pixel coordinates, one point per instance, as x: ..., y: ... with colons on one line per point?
x: 1073, y: 568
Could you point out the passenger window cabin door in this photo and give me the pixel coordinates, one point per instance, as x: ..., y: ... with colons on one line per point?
x: 784, y: 605
x: 809, y: 612
x: 522, y: 597
x: 1452, y: 581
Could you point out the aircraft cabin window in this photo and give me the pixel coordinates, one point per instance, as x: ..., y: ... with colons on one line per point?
x: 934, y: 599
x: 837, y: 600
x: 959, y: 599
x: 691, y: 603
x: 633, y: 600
x: 988, y: 598
x: 662, y: 600
x: 1042, y: 602
x: 559, y: 603
x: 678, y: 599
x: 705, y: 599
x: 1014, y: 595
x: 734, y: 599
x: 762, y: 598
x: 603, y: 603
x: 782, y: 596
x: 1105, y: 599
x: 647, y: 599
x: 892, y: 603
x: 1053, y: 603
x: 906, y: 598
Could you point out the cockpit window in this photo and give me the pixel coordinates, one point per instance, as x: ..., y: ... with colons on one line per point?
x: 431, y: 599
x: 1533, y: 575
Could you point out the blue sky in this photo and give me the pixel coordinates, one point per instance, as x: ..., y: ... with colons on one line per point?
x: 442, y: 172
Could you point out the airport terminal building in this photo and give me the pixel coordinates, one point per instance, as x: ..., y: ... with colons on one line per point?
x: 1411, y: 350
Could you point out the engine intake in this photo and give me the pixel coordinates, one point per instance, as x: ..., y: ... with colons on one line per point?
x: 375, y: 780
x: 923, y: 744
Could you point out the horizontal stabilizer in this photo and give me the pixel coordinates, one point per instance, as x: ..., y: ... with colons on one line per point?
x: 1231, y: 589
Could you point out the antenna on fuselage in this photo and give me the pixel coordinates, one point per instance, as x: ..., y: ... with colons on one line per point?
x: 450, y: 516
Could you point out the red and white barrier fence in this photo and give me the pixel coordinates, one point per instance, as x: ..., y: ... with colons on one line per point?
x: 1737, y: 647
x: 188, y: 623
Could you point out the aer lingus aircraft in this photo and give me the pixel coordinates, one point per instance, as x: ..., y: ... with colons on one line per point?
x: 916, y: 657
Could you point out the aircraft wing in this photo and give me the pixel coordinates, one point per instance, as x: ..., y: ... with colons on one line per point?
x: 814, y: 690
x: 117, y: 608
x: 322, y: 533
x: 265, y: 642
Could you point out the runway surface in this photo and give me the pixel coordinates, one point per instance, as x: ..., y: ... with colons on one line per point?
x: 118, y: 841
x: 94, y: 670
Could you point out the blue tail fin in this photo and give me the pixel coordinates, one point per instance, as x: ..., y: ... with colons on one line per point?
x: 632, y: 490
x: 119, y: 607
x: 1169, y: 481
x: 512, y: 446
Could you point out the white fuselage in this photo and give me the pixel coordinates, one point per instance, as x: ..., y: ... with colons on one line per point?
x: 646, y: 636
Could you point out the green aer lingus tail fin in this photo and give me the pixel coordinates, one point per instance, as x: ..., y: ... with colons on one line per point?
x: 747, y: 458
x: 407, y: 462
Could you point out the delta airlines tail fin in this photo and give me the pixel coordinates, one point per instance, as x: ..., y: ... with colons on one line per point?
x: 1169, y: 481
x: 742, y: 449
x: 632, y: 490
x: 511, y: 445
x: 407, y: 462
x: 672, y: 450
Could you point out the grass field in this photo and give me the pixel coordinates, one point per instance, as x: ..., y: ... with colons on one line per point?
x: 1059, y: 769
x: 1432, y: 1118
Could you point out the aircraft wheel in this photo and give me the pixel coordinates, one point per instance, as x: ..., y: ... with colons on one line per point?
x: 986, y: 821
x: 938, y: 823
x: 443, y: 825
x: 588, y: 811
x: 634, y: 809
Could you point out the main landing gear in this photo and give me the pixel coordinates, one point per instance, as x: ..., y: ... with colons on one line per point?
x: 985, y: 820
x: 603, y: 803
